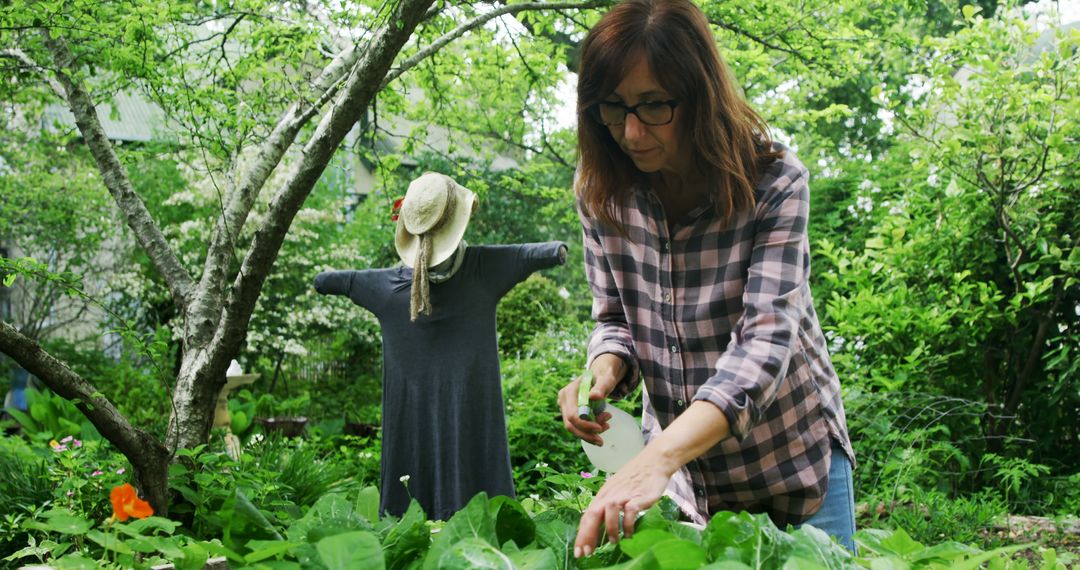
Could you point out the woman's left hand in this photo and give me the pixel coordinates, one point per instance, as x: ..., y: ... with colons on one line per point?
x: 636, y: 487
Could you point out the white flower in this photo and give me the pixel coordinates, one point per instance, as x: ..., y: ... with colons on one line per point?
x: 404, y: 479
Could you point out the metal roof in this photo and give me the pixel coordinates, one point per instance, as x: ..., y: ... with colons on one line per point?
x: 128, y: 118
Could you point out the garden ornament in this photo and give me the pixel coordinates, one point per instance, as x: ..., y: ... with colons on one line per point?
x: 234, y: 378
x: 430, y: 226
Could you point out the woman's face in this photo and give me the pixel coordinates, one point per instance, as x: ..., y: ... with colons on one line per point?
x: 653, y: 148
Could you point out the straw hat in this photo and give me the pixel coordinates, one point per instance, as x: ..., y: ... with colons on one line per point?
x: 431, y: 223
x: 435, y: 206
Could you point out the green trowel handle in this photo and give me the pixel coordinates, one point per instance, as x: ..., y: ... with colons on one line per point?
x: 588, y: 409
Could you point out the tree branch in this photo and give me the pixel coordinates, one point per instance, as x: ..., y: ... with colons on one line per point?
x: 21, y: 57
x: 764, y: 42
x: 207, y: 300
x: 114, y: 175
x: 1038, y: 346
x: 364, y: 81
x: 479, y: 21
x: 147, y: 455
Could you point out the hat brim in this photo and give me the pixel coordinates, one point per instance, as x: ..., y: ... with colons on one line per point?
x: 445, y: 239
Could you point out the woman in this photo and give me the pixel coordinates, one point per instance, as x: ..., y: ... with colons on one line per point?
x: 698, y: 258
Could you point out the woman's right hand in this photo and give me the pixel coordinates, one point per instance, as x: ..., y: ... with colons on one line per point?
x: 607, y: 369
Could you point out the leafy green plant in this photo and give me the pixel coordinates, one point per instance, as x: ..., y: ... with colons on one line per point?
x: 909, y: 441
x: 529, y: 309
x: 343, y: 531
x: 24, y: 484
x: 932, y: 517
x: 1013, y: 473
x: 533, y: 421
x: 66, y: 540
x: 268, y: 405
x: 50, y: 416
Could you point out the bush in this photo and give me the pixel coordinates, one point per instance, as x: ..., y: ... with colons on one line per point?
x: 531, y: 308
x: 905, y: 441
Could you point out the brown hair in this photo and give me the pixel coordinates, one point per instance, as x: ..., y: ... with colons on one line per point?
x: 730, y: 141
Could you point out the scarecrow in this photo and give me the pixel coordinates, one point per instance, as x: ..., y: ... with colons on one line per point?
x: 443, y: 422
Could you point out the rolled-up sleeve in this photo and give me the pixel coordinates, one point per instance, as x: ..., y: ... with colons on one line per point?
x: 611, y: 334
x: 750, y: 372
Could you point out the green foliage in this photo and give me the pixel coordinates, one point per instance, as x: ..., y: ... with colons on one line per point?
x: 531, y: 308
x: 932, y: 516
x: 274, y: 509
x: 50, y: 416
x: 533, y: 421
x: 65, y: 539
x: 24, y: 484
x: 283, y: 477
x: 1013, y: 473
x: 134, y: 383
x: 944, y: 262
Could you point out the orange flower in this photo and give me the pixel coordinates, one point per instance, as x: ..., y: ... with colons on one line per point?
x: 125, y: 503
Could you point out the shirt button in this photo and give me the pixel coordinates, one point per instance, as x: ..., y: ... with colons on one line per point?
x: 667, y: 297
x: 680, y: 403
x: 674, y: 349
x: 699, y: 492
x: 663, y: 245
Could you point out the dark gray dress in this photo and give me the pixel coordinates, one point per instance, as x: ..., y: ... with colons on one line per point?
x: 443, y: 420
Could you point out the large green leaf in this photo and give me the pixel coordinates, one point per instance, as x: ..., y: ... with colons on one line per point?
x: 642, y: 541
x: 473, y: 521
x: 109, y: 541
x: 367, y: 503
x: 669, y: 551
x: 752, y: 539
x: 263, y: 549
x: 813, y: 544
x: 140, y: 526
x: 511, y: 521
x: 63, y: 524
x: 664, y: 515
x: 408, y: 540
x: 358, y: 550
x: 474, y: 553
x: 542, y: 559
x: 557, y: 529
x: 75, y: 562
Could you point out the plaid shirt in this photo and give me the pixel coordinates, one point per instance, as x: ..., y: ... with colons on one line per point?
x: 724, y: 314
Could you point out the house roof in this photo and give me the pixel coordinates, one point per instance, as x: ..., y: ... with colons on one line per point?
x: 127, y: 118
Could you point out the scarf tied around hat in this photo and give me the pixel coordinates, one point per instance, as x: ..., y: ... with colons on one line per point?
x: 420, y: 298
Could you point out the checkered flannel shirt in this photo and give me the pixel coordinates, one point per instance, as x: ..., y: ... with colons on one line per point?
x: 723, y: 314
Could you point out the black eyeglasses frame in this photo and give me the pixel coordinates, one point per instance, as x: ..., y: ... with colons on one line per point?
x: 594, y: 111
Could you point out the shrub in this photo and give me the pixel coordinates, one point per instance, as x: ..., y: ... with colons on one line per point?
x: 531, y: 308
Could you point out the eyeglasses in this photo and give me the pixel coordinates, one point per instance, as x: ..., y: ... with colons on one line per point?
x: 655, y: 113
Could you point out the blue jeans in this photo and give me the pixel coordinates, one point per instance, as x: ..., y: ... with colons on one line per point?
x: 837, y: 514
